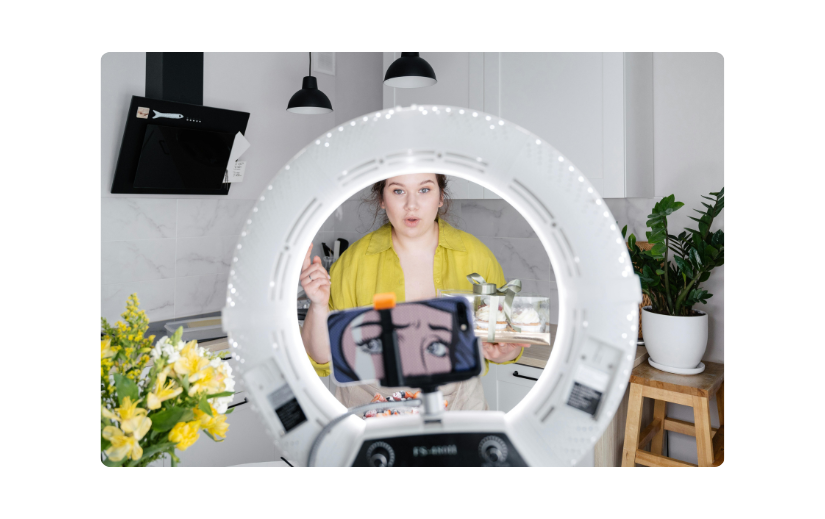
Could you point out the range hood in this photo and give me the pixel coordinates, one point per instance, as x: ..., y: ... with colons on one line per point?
x: 172, y: 144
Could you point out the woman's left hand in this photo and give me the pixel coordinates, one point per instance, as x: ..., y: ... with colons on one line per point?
x: 502, y: 351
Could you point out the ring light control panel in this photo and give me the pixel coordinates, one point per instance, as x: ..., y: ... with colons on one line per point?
x: 440, y: 450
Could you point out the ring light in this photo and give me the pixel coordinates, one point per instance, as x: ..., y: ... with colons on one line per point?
x: 584, y: 381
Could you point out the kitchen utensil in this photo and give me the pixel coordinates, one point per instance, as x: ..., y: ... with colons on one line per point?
x: 337, y: 250
x: 327, y: 250
x: 344, y: 244
x: 159, y: 115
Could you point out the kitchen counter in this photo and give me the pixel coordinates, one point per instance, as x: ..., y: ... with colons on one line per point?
x: 537, y: 355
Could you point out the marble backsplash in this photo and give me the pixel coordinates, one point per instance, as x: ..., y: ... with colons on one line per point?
x: 174, y: 253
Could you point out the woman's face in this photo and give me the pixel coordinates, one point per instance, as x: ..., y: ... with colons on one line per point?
x: 412, y: 203
x: 424, y: 337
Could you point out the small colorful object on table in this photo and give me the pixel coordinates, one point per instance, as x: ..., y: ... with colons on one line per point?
x: 398, y: 396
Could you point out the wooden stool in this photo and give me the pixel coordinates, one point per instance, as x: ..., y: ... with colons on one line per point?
x: 690, y: 390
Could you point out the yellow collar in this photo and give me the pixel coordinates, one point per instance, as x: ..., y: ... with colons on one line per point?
x: 448, y: 237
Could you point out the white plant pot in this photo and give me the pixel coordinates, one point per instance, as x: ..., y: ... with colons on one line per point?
x: 675, y: 341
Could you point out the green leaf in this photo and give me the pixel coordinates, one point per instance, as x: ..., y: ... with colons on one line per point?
x: 151, y: 451
x: 684, y: 266
x: 624, y: 231
x: 660, y: 272
x: 113, y: 464
x: 717, y: 239
x: 657, y: 235
x: 219, y: 395
x: 212, y: 437
x: 648, y: 278
x: 104, y: 444
x: 631, y: 242
x: 229, y: 411
x: 166, y: 419
x: 184, y: 383
x: 125, y: 387
x: 694, y: 257
x: 204, y: 406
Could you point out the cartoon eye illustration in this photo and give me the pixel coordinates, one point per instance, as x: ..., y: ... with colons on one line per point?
x: 437, y: 348
x: 372, y: 346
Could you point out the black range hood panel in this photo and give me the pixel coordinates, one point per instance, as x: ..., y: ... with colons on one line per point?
x: 185, y: 155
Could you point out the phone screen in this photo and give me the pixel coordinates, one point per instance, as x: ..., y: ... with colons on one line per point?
x: 434, y: 344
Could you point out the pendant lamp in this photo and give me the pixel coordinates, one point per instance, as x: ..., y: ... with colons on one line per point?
x: 309, y: 100
x: 410, y: 71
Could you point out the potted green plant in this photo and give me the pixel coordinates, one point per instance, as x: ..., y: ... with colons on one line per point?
x: 671, y: 274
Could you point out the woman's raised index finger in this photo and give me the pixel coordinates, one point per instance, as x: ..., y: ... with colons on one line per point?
x: 306, y: 258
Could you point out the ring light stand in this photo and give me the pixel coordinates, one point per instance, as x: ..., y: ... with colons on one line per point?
x: 572, y: 403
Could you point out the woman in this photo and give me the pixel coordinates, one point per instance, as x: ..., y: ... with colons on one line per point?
x: 413, y: 255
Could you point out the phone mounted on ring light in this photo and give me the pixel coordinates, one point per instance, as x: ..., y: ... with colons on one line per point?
x: 422, y: 344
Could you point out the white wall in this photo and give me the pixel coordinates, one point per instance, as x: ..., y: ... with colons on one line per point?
x: 174, y: 250
x: 689, y: 156
x: 595, y: 108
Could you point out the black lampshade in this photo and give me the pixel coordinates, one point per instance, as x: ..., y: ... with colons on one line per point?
x: 309, y: 100
x: 410, y: 71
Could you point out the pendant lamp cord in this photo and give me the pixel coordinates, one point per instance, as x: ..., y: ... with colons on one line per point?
x: 310, y: 63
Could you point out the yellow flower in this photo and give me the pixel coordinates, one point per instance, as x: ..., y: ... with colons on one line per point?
x: 105, y: 348
x: 108, y: 414
x: 215, y: 425
x: 162, y: 392
x: 190, y: 363
x: 122, y: 445
x: 208, y: 381
x: 184, y: 434
x: 133, y: 419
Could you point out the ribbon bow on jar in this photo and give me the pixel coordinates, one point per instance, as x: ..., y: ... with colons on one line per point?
x: 508, y: 291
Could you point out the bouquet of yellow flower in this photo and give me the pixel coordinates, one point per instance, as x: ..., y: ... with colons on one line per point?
x: 157, y: 399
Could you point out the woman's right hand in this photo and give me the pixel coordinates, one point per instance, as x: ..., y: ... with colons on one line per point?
x: 315, y: 280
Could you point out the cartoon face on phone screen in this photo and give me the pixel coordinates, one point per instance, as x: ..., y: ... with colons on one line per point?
x: 429, y: 342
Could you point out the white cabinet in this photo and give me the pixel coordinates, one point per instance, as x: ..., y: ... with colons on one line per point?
x: 595, y: 108
x: 513, y: 382
x: 505, y: 385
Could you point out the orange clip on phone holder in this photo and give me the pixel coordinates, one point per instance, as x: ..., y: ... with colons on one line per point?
x: 384, y: 301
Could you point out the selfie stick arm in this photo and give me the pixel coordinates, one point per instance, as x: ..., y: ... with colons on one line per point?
x: 393, y: 376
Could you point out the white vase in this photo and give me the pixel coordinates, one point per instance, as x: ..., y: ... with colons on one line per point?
x: 675, y: 341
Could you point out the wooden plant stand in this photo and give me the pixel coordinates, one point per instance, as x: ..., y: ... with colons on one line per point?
x: 690, y: 390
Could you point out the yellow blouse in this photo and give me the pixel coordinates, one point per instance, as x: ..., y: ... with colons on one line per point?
x: 370, y: 266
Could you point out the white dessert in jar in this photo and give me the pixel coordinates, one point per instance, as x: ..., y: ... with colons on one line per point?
x: 483, y: 319
x: 527, y: 319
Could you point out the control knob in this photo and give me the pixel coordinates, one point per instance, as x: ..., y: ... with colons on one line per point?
x: 492, y: 449
x: 380, y: 454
